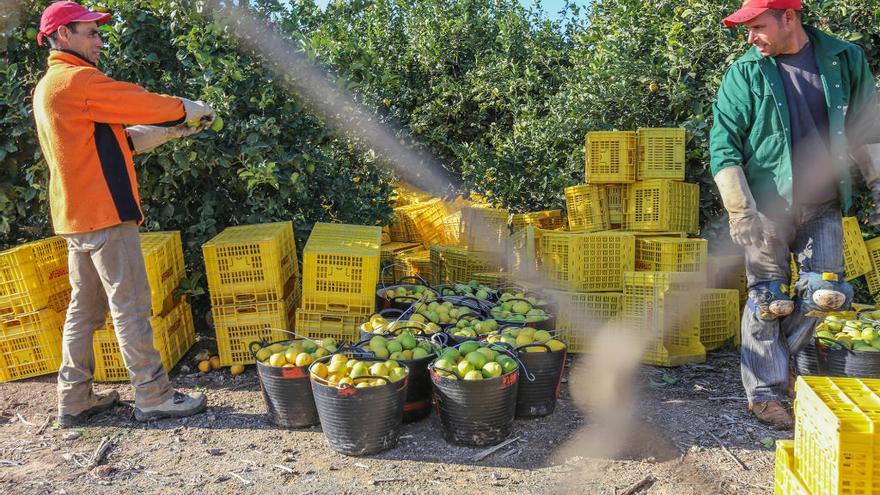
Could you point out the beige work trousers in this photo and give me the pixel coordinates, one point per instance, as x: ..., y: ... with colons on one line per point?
x: 107, y: 271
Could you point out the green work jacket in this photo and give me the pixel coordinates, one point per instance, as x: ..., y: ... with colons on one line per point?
x: 751, y: 120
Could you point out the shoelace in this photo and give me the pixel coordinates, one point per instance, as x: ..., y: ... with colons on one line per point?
x: 178, y: 398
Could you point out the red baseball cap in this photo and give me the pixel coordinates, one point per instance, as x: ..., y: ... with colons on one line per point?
x: 63, y: 13
x: 753, y: 8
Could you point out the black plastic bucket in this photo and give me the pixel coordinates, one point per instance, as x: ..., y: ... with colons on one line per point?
x: 287, y: 393
x: 476, y: 413
x: 538, y: 397
x: 401, y: 303
x: 806, y: 362
x: 360, y: 421
x: 418, y: 389
x: 836, y: 360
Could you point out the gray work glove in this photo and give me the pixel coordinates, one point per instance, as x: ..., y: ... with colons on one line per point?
x: 868, y: 159
x: 198, y: 113
x: 147, y: 137
x: 746, y: 224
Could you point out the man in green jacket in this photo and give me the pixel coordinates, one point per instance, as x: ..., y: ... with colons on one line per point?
x: 789, y: 114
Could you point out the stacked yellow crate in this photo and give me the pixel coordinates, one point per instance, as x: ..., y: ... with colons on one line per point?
x: 253, y: 280
x: 172, y: 321
x: 34, y: 292
x: 340, y: 274
x: 835, y: 439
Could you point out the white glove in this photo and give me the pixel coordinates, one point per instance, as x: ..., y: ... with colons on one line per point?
x: 147, y: 137
x: 198, y: 113
x: 746, y: 223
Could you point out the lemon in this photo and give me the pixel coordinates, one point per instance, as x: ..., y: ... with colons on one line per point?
x: 555, y: 345
x: 397, y: 374
x: 303, y: 359
x: 217, y: 125
x: 541, y: 335
x: 473, y: 375
x: 320, y: 370
x: 379, y: 369
x: 204, y: 366
x: 464, y: 367
x: 524, y: 339
x: 263, y: 354
x: 290, y: 355
x: 477, y: 359
x: 492, y: 370
x: 277, y: 359
x: 236, y: 369
x: 339, y: 358
x: 336, y: 367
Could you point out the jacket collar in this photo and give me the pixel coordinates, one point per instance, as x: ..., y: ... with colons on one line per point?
x: 65, y: 56
x: 823, y: 45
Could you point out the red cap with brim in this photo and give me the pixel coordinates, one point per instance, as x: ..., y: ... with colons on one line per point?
x: 754, y: 8
x: 63, y: 13
x: 743, y: 15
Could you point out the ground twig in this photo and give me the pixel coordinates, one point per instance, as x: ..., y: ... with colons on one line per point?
x: 486, y: 453
x: 44, y: 425
x: 239, y: 478
x: 644, y: 483
x: 21, y: 418
x: 101, y: 452
x: 728, y: 452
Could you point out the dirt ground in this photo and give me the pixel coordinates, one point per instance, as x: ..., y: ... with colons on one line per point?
x: 683, y: 418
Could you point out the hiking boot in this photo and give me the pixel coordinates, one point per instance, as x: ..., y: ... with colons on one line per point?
x: 178, y: 406
x: 103, y: 402
x: 772, y: 413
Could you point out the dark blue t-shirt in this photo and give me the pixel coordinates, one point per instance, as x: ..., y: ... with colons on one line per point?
x: 813, y: 175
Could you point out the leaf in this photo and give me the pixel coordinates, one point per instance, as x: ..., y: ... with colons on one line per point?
x: 768, y: 442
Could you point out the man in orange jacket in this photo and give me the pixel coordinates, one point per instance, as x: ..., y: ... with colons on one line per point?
x: 80, y: 114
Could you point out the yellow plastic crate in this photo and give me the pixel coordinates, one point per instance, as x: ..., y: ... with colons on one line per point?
x: 653, y: 306
x: 250, y: 263
x: 452, y: 229
x: 611, y: 157
x: 31, y: 274
x: 341, y: 269
x: 547, y: 219
x: 587, y: 208
x: 873, y: 276
x: 615, y: 194
x: 30, y: 345
x: 661, y: 153
x: 663, y: 205
x: 836, y: 441
x: 580, y: 315
x: 666, y: 254
x: 728, y: 272
x: 388, y: 254
x: 236, y: 326
x: 179, y: 329
x: 855, y: 254
x: 485, y: 229
x: 523, y: 252
x: 412, y: 264
x: 787, y: 481
x: 586, y: 262
x: 429, y: 222
x: 719, y: 317
x: 340, y: 326
x: 492, y: 279
x: 454, y: 264
x: 163, y: 257
x: 109, y: 364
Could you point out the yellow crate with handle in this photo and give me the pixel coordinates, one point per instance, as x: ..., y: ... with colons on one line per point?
x: 586, y: 261
x: 836, y: 442
x: 719, y: 317
x: 663, y: 205
x: 667, y: 254
x: 857, y: 261
x: 547, y: 219
x: 31, y: 274
x: 163, y: 259
x: 661, y: 153
x: 338, y: 326
x: 787, y: 481
x: 341, y: 268
x: 581, y: 315
x: 237, y: 325
x: 611, y: 157
x: 587, y: 208
x: 250, y: 263
x: 30, y: 345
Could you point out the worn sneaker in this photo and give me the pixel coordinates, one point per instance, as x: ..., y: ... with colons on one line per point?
x: 103, y: 402
x: 772, y: 413
x: 178, y: 406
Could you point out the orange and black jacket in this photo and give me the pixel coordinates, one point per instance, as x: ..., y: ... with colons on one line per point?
x: 80, y: 113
